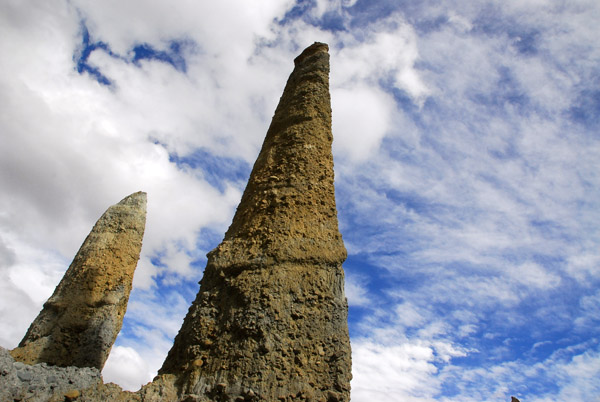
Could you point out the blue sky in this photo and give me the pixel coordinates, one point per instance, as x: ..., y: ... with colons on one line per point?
x: 466, y: 148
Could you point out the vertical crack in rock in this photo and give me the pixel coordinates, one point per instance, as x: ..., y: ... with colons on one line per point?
x: 270, y: 320
x: 80, y: 321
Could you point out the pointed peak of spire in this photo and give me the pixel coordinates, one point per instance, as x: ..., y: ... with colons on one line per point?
x: 136, y: 198
x: 287, y: 211
x: 309, y: 51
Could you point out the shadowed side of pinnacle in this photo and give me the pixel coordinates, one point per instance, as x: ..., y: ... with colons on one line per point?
x: 80, y: 321
x: 270, y: 320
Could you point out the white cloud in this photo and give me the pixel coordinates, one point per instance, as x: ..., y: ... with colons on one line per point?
x: 393, y: 373
x: 356, y: 292
x: 27, y: 278
x: 225, y: 28
x: 589, y: 312
x: 361, y: 119
x: 533, y: 274
x: 408, y: 315
x: 126, y: 367
x: 164, y: 312
x: 571, y: 372
x: 579, y: 378
x: 583, y: 266
x: 153, y: 320
x: 388, y: 53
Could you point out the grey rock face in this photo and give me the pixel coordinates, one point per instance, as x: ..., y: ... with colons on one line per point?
x: 80, y: 321
x: 41, y: 383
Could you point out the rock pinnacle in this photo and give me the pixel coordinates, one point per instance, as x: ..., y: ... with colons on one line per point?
x: 80, y: 321
x: 270, y: 320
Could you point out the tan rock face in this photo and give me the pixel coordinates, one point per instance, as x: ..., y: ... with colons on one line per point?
x: 270, y: 320
x: 80, y: 321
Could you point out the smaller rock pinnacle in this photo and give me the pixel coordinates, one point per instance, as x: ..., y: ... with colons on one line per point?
x: 80, y: 321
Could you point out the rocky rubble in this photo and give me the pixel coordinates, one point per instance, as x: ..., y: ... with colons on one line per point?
x: 41, y: 383
x: 44, y: 383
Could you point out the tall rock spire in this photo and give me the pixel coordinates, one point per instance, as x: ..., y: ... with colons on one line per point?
x: 270, y: 320
x: 80, y: 321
